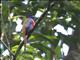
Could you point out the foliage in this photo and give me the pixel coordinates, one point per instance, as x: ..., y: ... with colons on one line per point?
x: 43, y: 35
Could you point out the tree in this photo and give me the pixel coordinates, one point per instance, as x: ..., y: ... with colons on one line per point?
x: 43, y: 35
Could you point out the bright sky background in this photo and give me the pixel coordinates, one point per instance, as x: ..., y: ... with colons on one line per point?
x: 61, y: 29
x: 38, y: 14
x: 25, y: 2
x: 19, y: 25
x: 5, y: 53
x: 65, y: 49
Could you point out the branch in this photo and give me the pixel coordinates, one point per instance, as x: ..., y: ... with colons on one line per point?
x: 21, y: 43
x: 7, y: 47
x: 1, y: 39
x: 39, y: 20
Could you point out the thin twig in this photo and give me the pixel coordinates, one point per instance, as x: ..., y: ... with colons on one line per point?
x: 5, y: 44
x: 7, y: 48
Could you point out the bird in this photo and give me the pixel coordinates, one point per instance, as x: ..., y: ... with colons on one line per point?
x: 28, y: 25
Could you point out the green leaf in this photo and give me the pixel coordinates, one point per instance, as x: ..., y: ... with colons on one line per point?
x: 58, y: 52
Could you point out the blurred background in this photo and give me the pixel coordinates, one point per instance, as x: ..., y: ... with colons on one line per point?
x: 56, y: 37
